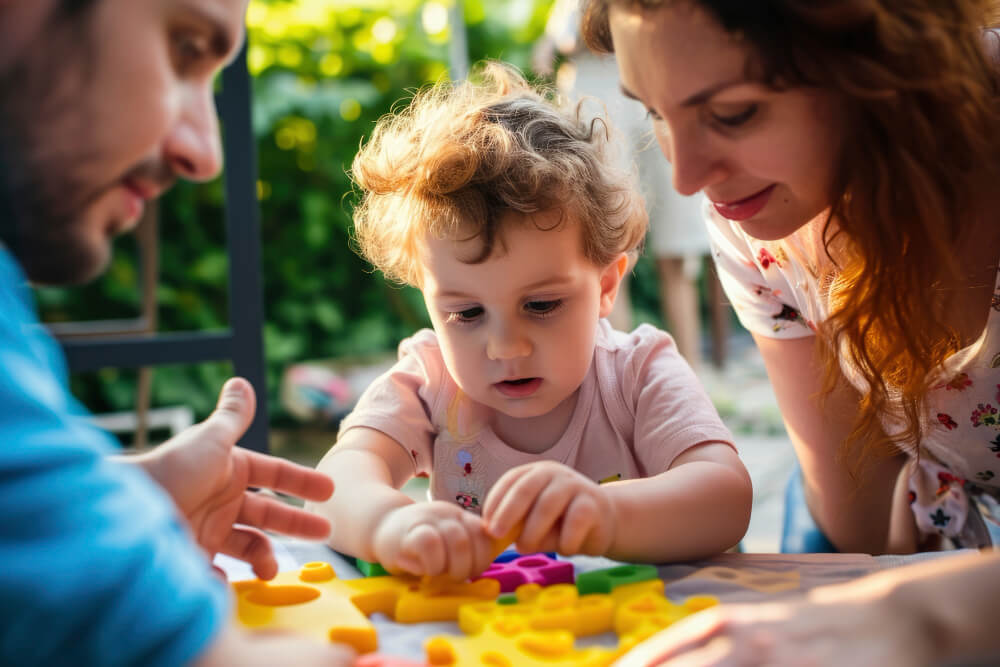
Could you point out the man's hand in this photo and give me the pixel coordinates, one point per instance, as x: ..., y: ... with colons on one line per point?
x: 431, y: 539
x: 561, y: 510
x: 208, y: 478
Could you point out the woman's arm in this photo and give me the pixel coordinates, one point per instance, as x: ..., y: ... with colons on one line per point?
x: 930, y: 613
x: 853, y: 513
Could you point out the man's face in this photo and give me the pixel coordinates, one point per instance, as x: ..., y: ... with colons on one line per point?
x: 100, y: 112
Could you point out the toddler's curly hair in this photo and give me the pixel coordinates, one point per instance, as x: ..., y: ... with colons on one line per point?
x: 462, y: 155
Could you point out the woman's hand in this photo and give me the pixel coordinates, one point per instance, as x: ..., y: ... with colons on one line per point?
x: 560, y: 508
x: 207, y: 477
x: 846, y: 624
x: 433, y: 538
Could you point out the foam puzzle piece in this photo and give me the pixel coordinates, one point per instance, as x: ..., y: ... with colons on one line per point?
x: 643, y: 615
x: 508, y: 642
x: 764, y: 581
x: 511, y: 554
x: 315, y: 602
x: 533, y: 569
x: 540, y: 626
x: 556, y: 607
x: 370, y: 569
x: 607, y: 579
x: 376, y: 660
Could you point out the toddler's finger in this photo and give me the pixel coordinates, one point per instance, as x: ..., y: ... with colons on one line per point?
x: 457, y: 549
x: 480, y: 544
x: 577, y: 524
x: 424, y: 545
x: 548, y: 507
x: 516, y: 503
x: 500, y: 491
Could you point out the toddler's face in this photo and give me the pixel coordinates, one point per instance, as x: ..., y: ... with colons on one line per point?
x: 517, y: 330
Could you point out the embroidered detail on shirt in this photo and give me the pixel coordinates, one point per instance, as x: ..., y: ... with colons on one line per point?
x: 995, y: 363
x: 939, y: 518
x: 766, y: 259
x: 465, y: 461
x: 985, y: 415
x: 946, y: 421
x: 985, y: 475
x: 468, y: 501
x: 995, y: 446
x: 610, y: 478
x: 958, y: 383
x: 787, y: 314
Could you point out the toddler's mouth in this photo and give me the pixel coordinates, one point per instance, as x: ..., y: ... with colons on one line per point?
x: 519, y: 388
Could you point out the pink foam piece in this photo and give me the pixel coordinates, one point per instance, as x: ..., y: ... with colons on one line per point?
x: 376, y: 660
x: 531, y: 569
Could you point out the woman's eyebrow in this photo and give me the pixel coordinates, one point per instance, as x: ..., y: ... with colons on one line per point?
x: 700, y: 97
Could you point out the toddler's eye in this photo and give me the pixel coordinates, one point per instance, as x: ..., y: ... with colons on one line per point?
x: 542, y: 307
x: 466, y: 315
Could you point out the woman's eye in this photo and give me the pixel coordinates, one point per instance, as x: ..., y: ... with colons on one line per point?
x: 736, y: 119
x: 542, y: 307
x: 466, y: 315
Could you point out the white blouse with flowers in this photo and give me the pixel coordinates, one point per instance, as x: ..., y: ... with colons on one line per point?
x: 955, y: 485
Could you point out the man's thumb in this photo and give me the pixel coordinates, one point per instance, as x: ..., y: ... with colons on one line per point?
x: 234, y: 411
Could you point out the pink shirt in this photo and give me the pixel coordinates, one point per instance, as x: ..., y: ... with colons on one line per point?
x: 639, y: 407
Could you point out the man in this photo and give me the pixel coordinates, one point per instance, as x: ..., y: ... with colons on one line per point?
x: 103, y: 105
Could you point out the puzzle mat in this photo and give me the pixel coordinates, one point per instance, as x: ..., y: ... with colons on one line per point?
x: 729, y: 577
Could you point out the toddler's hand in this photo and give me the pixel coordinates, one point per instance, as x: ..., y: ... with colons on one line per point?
x: 561, y: 510
x: 433, y: 538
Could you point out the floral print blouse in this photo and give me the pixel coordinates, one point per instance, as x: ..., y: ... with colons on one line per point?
x: 954, y: 484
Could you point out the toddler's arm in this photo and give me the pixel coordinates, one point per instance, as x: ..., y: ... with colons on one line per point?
x: 697, y: 508
x: 373, y: 520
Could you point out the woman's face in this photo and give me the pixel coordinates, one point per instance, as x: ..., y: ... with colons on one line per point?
x: 765, y: 158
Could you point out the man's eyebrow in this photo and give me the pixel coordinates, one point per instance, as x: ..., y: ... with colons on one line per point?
x: 700, y: 97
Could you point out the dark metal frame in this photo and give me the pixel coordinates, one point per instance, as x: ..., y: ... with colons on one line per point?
x: 242, y: 342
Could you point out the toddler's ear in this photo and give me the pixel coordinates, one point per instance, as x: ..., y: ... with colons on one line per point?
x: 611, y: 278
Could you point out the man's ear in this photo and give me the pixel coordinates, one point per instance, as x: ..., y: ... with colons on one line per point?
x: 611, y: 279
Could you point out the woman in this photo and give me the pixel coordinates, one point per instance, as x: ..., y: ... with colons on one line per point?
x: 851, y: 154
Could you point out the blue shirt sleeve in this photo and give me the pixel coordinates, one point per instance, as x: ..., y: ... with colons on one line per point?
x: 96, y: 568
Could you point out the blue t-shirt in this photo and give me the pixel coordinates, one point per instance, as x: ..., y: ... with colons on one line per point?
x: 95, y: 565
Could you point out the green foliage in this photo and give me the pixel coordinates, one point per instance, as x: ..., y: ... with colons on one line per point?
x: 324, y: 72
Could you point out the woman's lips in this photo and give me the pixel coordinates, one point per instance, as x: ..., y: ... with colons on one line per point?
x: 744, y: 209
x: 518, y: 388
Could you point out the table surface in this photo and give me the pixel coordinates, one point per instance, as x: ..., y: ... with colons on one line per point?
x: 729, y: 577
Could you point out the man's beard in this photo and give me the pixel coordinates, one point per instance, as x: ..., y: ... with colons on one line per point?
x: 44, y: 134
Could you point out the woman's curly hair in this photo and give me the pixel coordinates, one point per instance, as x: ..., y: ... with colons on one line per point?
x: 921, y: 97
x: 460, y: 156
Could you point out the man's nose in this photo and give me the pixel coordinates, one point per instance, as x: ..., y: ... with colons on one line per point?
x: 193, y: 148
x: 507, y: 342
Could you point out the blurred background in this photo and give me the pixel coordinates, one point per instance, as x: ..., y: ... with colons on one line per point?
x: 323, y: 72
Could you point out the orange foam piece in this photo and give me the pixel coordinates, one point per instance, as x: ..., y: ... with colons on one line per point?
x: 541, y: 626
x: 315, y: 602
x: 509, y: 642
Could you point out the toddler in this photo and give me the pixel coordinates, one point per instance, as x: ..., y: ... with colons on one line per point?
x: 524, y: 407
